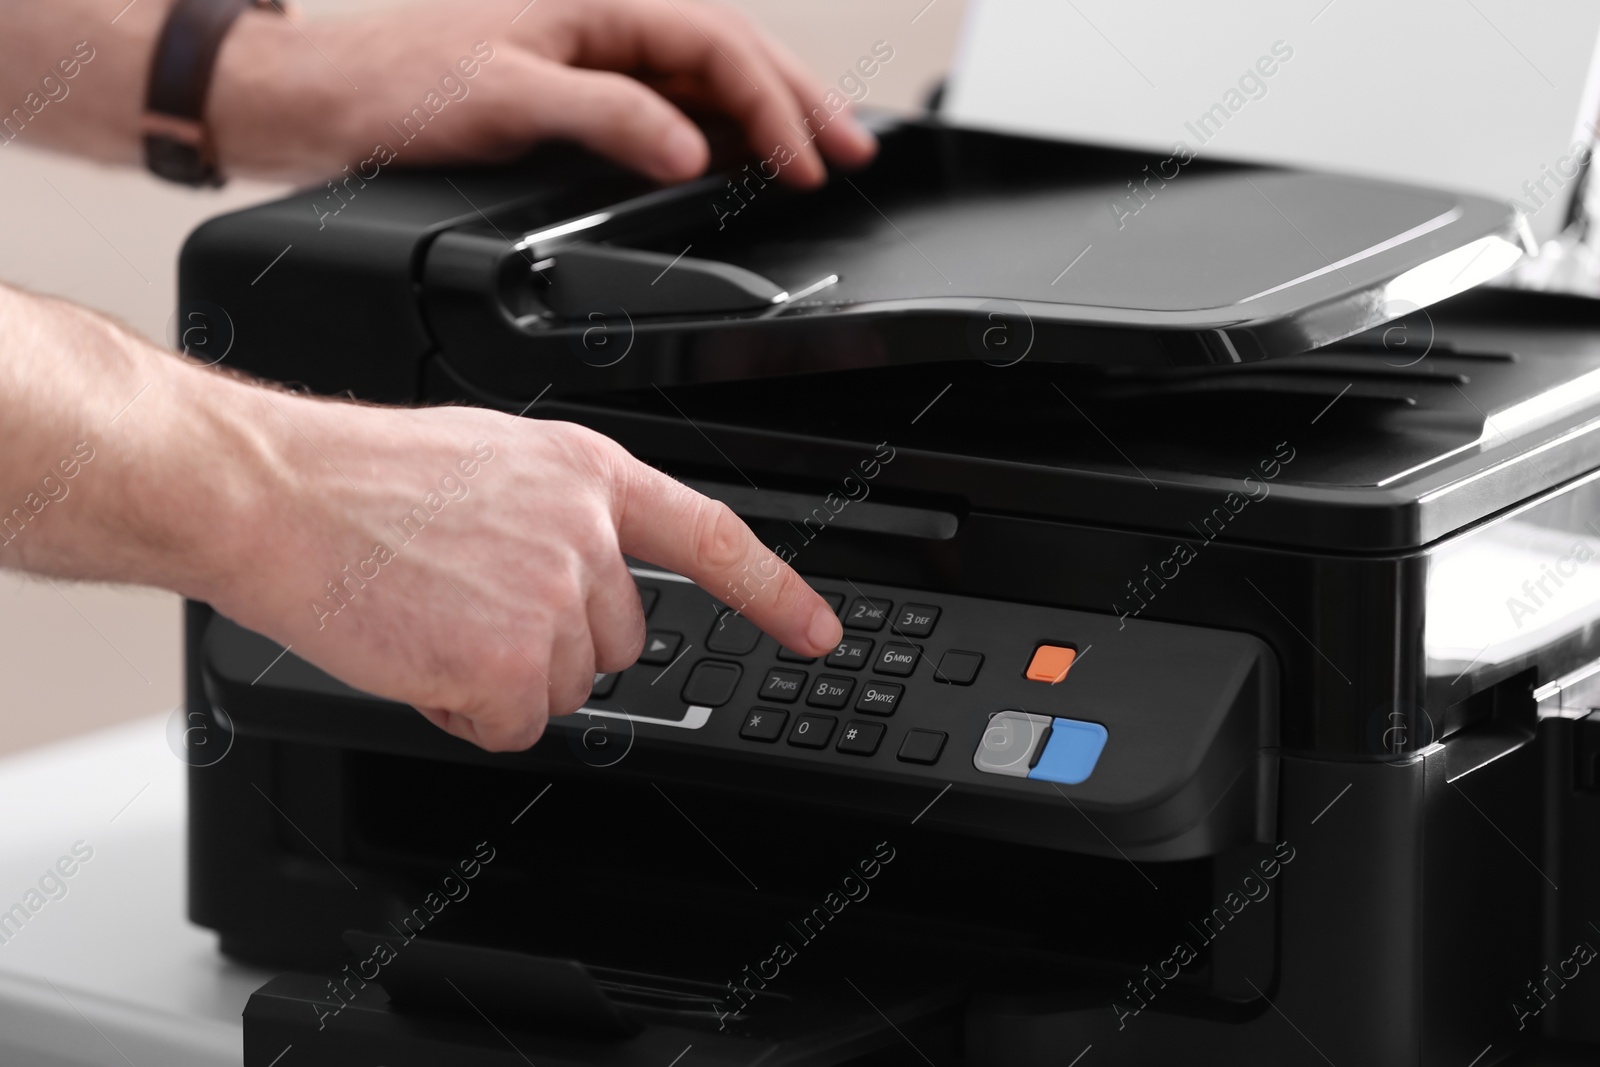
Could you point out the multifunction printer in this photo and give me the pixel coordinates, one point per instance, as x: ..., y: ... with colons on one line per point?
x: 1219, y: 599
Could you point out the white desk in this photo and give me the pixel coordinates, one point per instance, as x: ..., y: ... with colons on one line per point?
x: 112, y: 974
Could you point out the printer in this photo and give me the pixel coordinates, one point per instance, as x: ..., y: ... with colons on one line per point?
x: 1220, y: 602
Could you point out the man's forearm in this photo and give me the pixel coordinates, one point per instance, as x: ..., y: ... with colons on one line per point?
x: 73, y: 72
x: 122, y: 462
x: 457, y: 559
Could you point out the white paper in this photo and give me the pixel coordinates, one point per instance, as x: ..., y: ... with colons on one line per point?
x: 1485, y: 96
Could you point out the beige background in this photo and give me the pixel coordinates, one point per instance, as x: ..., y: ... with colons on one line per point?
x: 74, y: 657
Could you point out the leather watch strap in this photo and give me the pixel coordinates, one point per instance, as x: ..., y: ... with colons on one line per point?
x: 177, y: 143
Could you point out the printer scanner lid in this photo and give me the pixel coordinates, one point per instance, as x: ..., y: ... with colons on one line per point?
x: 1236, y: 263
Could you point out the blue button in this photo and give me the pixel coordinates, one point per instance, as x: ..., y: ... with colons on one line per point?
x: 1071, y: 753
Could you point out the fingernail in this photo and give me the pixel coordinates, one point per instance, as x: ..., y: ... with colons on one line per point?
x: 683, y: 152
x: 863, y: 137
x: 825, y: 630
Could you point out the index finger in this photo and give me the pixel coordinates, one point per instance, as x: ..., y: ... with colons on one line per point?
x: 668, y: 38
x: 845, y: 141
x: 666, y: 523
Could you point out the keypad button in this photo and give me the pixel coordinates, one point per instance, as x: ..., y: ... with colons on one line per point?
x: 783, y: 685
x: 830, y: 691
x: 603, y: 685
x: 957, y: 667
x: 898, y: 660
x: 860, y: 738
x: 852, y: 653
x: 1050, y: 663
x: 660, y: 646
x: 1010, y: 743
x: 711, y: 683
x: 921, y: 746
x: 867, y: 614
x: 1071, y: 752
x: 648, y: 595
x: 812, y: 731
x: 836, y: 602
x: 879, y: 698
x: 763, y: 724
x: 915, y: 620
x: 733, y: 635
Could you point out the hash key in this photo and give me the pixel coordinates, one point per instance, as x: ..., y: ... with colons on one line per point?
x: 860, y: 738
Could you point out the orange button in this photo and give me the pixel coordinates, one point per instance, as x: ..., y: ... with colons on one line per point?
x: 1051, y: 663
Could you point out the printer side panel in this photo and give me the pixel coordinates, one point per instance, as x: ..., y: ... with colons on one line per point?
x: 268, y: 292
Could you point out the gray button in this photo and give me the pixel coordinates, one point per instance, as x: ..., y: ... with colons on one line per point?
x: 1009, y: 742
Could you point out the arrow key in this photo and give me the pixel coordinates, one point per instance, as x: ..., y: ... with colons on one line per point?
x: 660, y: 646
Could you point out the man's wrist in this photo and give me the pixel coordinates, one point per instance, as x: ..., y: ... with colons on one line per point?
x: 247, y: 514
x: 129, y: 470
x: 167, y: 471
x: 277, y: 108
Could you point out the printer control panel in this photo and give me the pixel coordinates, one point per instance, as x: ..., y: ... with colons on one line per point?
x: 878, y: 694
x: 1009, y: 715
x: 1003, y: 699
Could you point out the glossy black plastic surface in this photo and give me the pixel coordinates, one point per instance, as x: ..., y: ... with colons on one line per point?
x: 1187, y: 770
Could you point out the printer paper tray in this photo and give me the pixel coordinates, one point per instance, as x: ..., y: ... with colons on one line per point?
x: 834, y: 1027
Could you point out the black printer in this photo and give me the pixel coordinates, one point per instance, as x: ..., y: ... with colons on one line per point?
x: 1219, y: 599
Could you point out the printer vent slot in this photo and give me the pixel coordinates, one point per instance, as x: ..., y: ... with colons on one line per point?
x: 1378, y: 347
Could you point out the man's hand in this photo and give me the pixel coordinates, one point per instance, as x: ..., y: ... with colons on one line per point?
x: 307, y: 99
x: 303, y: 99
x: 470, y: 563
x: 462, y: 561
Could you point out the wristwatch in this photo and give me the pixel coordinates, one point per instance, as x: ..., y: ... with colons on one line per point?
x: 177, y: 142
